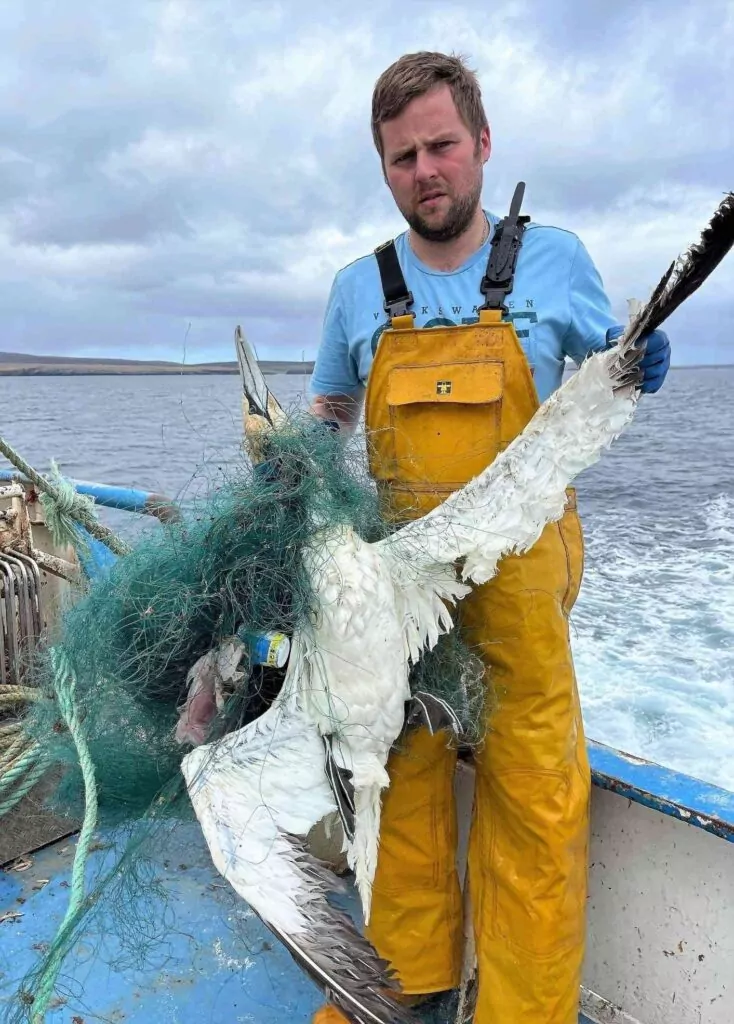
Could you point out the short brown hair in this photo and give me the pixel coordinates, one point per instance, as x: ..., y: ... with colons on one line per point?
x: 415, y: 74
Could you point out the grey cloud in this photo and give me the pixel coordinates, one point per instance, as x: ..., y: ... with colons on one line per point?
x: 192, y: 150
x: 105, y: 216
x: 597, y: 185
x: 13, y: 178
x: 595, y: 26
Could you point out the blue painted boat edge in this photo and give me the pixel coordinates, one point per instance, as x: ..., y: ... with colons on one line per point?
x: 691, y: 800
x: 126, y: 499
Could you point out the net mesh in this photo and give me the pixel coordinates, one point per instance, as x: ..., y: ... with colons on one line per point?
x: 233, y: 564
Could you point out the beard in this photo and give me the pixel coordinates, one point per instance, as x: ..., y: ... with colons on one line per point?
x: 457, y: 219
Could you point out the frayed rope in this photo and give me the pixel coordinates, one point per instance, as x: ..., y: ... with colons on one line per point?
x: 61, y: 510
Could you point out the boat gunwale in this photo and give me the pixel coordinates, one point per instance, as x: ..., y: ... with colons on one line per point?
x: 690, y: 800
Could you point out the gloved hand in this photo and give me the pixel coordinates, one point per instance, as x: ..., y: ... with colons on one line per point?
x: 656, y: 360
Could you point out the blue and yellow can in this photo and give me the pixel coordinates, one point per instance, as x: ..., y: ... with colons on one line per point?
x: 271, y: 649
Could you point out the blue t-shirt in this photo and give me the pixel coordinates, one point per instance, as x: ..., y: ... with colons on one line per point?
x: 558, y: 306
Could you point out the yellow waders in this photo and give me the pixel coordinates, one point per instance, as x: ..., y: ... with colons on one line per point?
x: 441, y: 403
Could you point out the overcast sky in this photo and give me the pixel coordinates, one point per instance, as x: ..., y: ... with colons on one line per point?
x: 168, y: 170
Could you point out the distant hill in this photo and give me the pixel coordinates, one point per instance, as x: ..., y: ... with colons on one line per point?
x: 23, y: 364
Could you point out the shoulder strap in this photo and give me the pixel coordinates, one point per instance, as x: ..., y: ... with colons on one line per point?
x: 398, y: 299
x: 498, y: 279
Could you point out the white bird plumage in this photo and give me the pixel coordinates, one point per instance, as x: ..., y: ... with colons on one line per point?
x: 258, y: 791
x: 259, y: 787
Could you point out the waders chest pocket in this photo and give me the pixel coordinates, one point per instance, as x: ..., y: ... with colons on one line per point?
x: 445, y: 421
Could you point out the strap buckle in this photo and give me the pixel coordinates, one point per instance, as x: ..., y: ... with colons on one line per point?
x: 400, y: 307
x: 499, y: 275
x: 398, y: 297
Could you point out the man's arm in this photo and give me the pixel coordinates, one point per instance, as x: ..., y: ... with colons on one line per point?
x: 590, y: 311
x: 340, y: 411
x: 336, y: 392
x: 592, y: 326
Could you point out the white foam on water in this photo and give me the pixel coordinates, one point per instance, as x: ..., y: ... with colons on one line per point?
x: 653, y: 637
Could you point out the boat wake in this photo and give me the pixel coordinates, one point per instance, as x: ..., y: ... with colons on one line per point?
x: 653, y: 636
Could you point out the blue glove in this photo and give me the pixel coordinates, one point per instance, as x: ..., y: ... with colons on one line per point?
x: 656, y: 361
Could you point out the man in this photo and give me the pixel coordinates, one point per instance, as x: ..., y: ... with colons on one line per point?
x: 447, y: 378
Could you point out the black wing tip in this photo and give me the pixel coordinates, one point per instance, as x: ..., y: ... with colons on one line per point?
x: 717, y: 237
x: 688, y: 272
x: 347, y: 968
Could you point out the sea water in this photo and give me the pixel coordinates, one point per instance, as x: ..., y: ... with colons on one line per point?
x: 653, y: 628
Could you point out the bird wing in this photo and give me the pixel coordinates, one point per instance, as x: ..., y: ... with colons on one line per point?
x: 256, y: 793
x: 686, y: 274
x: 505, y: 508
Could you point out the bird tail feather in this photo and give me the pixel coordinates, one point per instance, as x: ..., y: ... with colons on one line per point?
x: 362, y: 851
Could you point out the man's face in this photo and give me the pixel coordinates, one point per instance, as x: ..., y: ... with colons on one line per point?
x: 433, y: 167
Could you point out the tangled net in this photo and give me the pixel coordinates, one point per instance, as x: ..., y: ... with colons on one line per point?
x: 233, y: 565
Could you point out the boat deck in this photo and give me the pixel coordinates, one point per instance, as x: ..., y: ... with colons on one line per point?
x: 195, y: 952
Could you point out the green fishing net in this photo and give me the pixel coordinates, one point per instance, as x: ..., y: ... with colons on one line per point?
x: 232, y: 565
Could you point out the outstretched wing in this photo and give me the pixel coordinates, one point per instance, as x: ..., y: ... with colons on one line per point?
x: 256, y: 793
x: 505, y: 508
